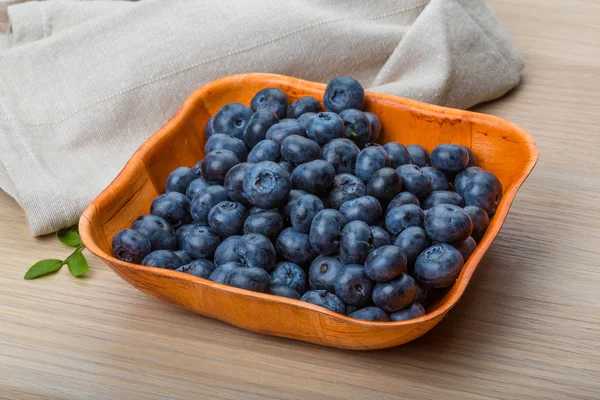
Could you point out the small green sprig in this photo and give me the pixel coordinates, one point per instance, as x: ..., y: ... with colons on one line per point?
x: 76, y: 262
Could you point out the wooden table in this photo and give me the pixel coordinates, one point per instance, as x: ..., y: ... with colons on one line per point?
x: 528, y: 326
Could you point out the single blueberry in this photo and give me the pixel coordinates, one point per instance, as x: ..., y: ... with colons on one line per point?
x: 356, y: 242
x: 438, y: 266
x: 204, y: 201
x: 442, y: 197
x: 162, y: 259
x: 365, y: 208
x: 325, y: 299
x: 271, y: 99
x: 179, y: 179
x: 131, y: 246
x: 196, y: 186
x: 418, y: 155
x: 412, y: 241
x: 219, y: 273
x: 267, y: 185
x: 395, y: 294
x: 399, y: 218
x: 254, y: 279
x: 283, y: 129
x: 448, y: 223
x: 227, y: 251
x: 223, y: 142
x: 299, y: 149
x: 384, y: 185
x: 398, y: 154
x: 289, y: 274
x: 234, y: 182
x: 314, y: 177
x: 357, y: 126
x: 199, y: 268
x: 173, y: 207
x: 480, y: 220
x: 403, y: 198
x: 325, y: 231
x: 342, y: 154
x: 227, y: 218
x: 304, y: 118
x: 303, y: 105
x: 380, y: 237
x: 216, y: 164
x: 465, y: 178
x: 353, y: 286
x: 342, y: 93
x: 184, y: 230
x: 450, y: 158
x: 303, y: 211
x: 324, y: 127
x: 482, y: 190
x: 414, y: 180
x: 439, y: 181
x: 385, y: 263
x: 369, y: 161
x: 200, y: 242
x: 411, y: 311
x: 323, y: 271
x: 266, y: 222
x: 265, y: 150
x: 257, y: 127
x: 295, y: 246
x: 466, y: 247
x: 284, y: 291
x: 375, y: 126
x: 255, y: 250
x: 232, y: 119
x: 209, y: 129
x: 345, y: 187
x: 375, y: 314
x: 158, y: 231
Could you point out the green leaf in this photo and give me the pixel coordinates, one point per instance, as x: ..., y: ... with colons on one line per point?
x: 69, y: 236
x: 77, y: 263
x: 43, y: 267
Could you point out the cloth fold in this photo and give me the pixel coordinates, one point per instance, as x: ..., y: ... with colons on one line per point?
x: 86, y: 82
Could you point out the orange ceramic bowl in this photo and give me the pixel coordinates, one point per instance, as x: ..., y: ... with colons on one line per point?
x: 500, y: 147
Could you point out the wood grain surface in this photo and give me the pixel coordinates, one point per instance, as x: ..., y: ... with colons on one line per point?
x: 528, y: 326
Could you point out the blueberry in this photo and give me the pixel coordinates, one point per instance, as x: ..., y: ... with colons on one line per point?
x: 265, y: 150
x: 472, y: 158
x: 411, y: 311
x: 356, y: 242
x: 295, y: 246
x: 200, y: 268
x: 341, y: 153
x: 289, y: 202
x: 403, y: 198
x: 204, y: 201
x: 162, y: 259
x: 442, y: 197
x: 158, y: 231
x: 284, y: 291
x: 342, y: 93
x: 200, y: 242
x: 289, y: 274
x: 303, y: 105
x: 323, y: 271
x: 365, y: 208
x: 439, y: 181
x: 271, y: 99
x: 227, y: 251
x: 369, y: 161
x: 465, y: 178
x: 375, y: 314
x: 418, y: 155
x: 232, y: 119
x: 173, y: 207
x: 216, y: 164
x: 412, y: 241
x: 303, y: 211
x: 353, y: 286
x: 234, y: 182
x: 283, y: 129
x: 375, y: 126
x: 448, y: 223
x: 221, y: 141
x: 482, y: 190
x: 179, y: 179
x: 345, y: 187
x: 209, y: 128
x: 299, y: 149
x: 313, y: 177
x: 414, y: 180
x: 325, y: 299
x: 184, y: 230
x: 450, y: 158
x: 466, y: 247
x: 267, y: 185
x: 267, y: 222
x: 184, y: 256
x: 324, y: 127
x: 385, y: 263
x: 399, y: 218
x: 219, y: 273
x: 395, y: 294
x: 380, y: 237
x: 384, y: 185
x: 227, y: 218
x: 196, y: 186
x: 131, y: 246
x: 480, y: 220
x: 257, y: 127
x: 304, y: 118
x: 325, y: 231
x: 357, y: 126
x: 398, y: 154
x: 255, y: 250
x: 438, y: 266
x: 254, y: 279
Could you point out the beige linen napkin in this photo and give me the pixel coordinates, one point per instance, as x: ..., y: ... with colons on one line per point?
x: 85, y: 83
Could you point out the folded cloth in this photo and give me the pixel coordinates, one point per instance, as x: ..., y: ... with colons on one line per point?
x: 85, y: 83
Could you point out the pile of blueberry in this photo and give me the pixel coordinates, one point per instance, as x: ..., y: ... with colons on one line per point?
x: 299, y: 202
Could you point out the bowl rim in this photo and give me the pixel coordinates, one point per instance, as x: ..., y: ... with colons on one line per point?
x: 90, y: 214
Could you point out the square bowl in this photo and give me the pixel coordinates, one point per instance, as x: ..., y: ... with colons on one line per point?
x: 500, y: 147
